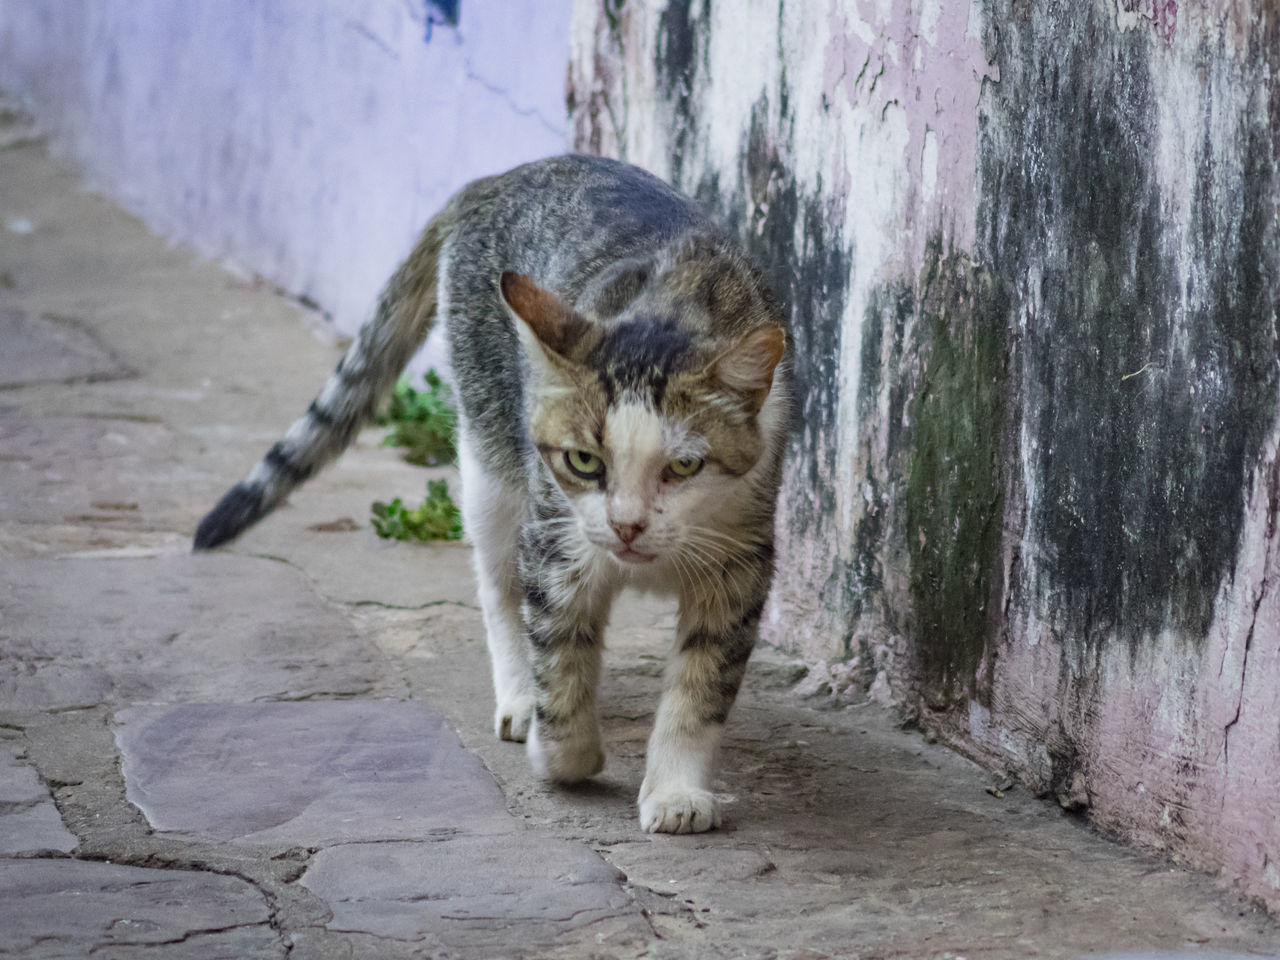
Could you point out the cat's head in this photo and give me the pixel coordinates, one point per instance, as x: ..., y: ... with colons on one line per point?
x: 652, y: 429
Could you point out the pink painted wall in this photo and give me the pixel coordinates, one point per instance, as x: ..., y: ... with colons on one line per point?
x: 1032, y: 253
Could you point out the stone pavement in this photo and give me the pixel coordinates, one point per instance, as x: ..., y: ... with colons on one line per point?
x: 284, y: 748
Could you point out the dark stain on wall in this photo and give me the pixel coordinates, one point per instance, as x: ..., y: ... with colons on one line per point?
x: 953, y: 496
x: 888, y: 315
x: 937, y: 425
x: 877, y: 577
x: 793, y: 237
x: 1146, y: 397
x: 1144, y: 386
x: 808, y: 265
x: 681, y: 50
x: 592, y: 109
x: 790, y: 235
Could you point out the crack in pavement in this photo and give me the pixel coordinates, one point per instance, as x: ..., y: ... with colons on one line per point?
x: 110, y: 829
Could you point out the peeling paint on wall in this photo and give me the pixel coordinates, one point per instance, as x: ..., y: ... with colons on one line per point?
x: 446, y: 12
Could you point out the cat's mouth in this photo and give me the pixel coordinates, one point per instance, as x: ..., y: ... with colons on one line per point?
x: 629, y: 555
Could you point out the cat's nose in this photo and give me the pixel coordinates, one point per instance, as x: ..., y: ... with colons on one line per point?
x: 627, y: 532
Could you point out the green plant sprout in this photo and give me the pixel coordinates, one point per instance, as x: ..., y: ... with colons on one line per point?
x: 437, y: 518
x: 422, y: 421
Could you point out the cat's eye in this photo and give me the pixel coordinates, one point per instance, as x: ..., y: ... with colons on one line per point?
x: 685, y: 467
x: 585, y: 465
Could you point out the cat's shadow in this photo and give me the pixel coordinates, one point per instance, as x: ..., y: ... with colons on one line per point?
x: 597, y: 790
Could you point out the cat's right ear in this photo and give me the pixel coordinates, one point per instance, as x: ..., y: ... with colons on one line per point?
x: 748, y: 366
x: 548, y: 327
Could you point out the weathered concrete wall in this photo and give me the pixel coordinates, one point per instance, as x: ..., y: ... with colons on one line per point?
x: 308, y: 140
x: 1033, y: 254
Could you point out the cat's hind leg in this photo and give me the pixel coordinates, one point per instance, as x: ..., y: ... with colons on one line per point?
x: 491, y: 515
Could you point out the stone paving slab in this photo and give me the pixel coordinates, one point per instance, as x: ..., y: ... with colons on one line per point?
x: 525, y: 891
x: 46, y: 348
x: 84, y: 470
x: 305, y: 773
x: 74, y: 909
x: 416, y: 845
x: 29, y: 821
x: 327, y: 536
x: 170, y: 628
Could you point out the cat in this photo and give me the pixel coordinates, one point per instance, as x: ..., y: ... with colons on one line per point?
x: 623, y: 405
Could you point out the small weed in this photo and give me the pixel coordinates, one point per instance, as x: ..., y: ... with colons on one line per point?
x: 436, y: 519
x: 422, y: 421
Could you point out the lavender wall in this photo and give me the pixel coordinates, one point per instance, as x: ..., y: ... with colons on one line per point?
x: 1033, y: 256
x: 308, y: 140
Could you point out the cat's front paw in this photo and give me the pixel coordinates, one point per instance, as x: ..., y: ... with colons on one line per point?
x: 567, y: 760
x: 512, y: 718
x: 678, y: 810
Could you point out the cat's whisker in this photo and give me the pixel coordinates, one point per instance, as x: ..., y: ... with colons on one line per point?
x: 721, y: 536
x: 711, y: 561
x: 689, y: 583
x: 712, y: 552
x: 682, y: 574
x: 700, y: 568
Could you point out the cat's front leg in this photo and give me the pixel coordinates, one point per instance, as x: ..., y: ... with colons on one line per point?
x: 701, y: 683
x: 565, y: 627
x: 564, y: 741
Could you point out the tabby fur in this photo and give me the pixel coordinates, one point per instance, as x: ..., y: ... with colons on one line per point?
x: 619, y: 365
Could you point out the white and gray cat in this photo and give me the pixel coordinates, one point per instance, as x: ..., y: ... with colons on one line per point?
x: 623, y: 412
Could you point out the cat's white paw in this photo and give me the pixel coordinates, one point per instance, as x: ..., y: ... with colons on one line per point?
x: 679, y: 810
x: 512, y: 718
x: 569, y: 760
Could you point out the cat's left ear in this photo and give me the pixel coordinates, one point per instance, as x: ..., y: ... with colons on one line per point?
x: 544, y: 322
x: 748, y: 366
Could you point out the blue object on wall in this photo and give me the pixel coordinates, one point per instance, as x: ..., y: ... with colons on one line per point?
x: 443, y: 12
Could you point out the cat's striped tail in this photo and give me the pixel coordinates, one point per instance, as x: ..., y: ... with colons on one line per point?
x: 405, y: 314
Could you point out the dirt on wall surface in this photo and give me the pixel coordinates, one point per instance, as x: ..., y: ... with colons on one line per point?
x: 1134, y: 221
x: 1149, y: 363
x: 1032, y: 256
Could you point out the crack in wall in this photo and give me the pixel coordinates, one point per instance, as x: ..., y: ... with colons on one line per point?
x: 1244, y: 675
x: 505, y: 96
x: 358, y: 27
x: 1265, y: 580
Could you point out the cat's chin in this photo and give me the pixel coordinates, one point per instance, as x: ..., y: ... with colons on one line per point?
x: 633, y: 557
